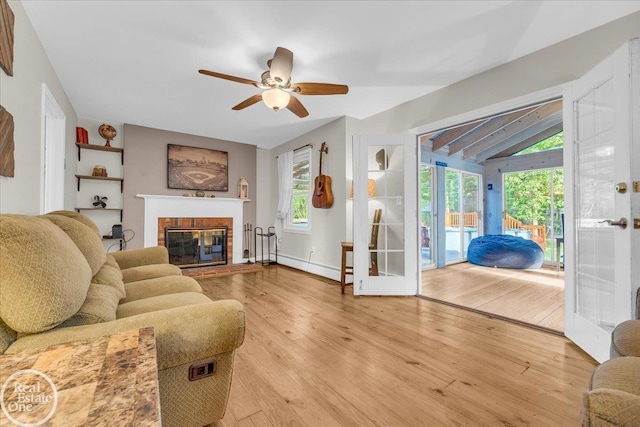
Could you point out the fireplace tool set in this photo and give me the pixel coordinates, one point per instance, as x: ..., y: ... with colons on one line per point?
x: 248, y: 230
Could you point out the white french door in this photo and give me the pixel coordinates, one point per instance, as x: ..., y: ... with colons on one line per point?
x: 602, y: 149
x: 385, y: 170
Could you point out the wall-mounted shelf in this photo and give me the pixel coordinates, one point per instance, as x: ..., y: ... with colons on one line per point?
x: 101, y: 178
x: 90, y: 164
x: 100, y: 148
x: 101, y: 209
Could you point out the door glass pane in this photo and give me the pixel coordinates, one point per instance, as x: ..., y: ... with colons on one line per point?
x: 386, y: 195
x: 453, y: 218
x: 461, y: 213
x: 594, y: 168
x: 556, y: 240
x: 534, y: 201
x: 470, y: 210
x: 426, y: 215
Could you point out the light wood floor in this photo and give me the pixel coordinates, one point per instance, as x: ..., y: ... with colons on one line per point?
x: 314, y: 357
x: 530, y: 296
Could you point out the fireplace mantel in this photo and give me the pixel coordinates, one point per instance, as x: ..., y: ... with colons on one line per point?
x: 161, y: 206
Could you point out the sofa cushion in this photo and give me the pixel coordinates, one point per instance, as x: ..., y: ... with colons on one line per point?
x: 160, y: 286
x: 44, y: 278
x: 79, y: 217
x: 100, y: 306
x: 85, y: 239
x: 143, y: 256
x: 110, y: 275
x: 144, y: 272
x: 160, y: 302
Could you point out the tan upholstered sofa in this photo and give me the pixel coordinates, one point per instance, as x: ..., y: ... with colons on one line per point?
x: 57, y: 284
x: 613, y: 396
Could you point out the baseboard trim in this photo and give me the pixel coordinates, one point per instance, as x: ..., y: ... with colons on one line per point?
x: 318, y: 269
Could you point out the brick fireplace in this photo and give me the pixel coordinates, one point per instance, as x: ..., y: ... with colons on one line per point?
x: 162, y: 211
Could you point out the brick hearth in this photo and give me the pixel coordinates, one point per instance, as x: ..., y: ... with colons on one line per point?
x: 220, y: 270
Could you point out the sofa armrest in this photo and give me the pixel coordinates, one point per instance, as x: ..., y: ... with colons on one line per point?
x: 611, y: 407
x: 138, y: 257
x: 183, y: 334
x: 625, y: 339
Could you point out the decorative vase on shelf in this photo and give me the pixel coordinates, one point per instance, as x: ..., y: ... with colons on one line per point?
x: 108, y: 132
x: 99, y: 170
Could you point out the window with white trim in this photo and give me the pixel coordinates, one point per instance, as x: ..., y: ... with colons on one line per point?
x: 298, y: 218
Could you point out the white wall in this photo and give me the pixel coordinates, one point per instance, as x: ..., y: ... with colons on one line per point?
x: 21, y: 95
x: 264, y: 218
x: 328, y: 225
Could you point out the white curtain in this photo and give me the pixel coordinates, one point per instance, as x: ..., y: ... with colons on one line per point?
x: 285, y: 191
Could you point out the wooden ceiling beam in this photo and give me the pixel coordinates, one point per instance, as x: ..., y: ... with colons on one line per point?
x: 448, y: 136
x: 524, y: 134
x: 488, y: 127
x: 527, y: 120
x: 530, y: 141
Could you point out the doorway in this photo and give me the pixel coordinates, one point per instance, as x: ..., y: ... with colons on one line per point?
x: 53, y: 153
x: 476, y: 163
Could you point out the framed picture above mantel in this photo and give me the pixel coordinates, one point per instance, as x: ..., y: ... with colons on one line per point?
x: 194, y: 168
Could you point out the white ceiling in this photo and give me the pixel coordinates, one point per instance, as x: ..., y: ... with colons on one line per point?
x: 137, y: 61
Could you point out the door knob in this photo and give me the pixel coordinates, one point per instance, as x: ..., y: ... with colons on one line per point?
x: 622, y: 223
x: 621, y: 187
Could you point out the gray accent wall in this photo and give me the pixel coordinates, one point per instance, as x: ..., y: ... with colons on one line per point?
x: 145, y: 172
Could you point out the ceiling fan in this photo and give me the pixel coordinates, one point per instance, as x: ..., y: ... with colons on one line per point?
x: 278, y: 89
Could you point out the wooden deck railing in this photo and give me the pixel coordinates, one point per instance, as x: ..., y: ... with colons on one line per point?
x: 537, y: 233
x: 452, y: 219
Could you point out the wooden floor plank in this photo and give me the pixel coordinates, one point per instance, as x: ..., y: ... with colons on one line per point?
x: 530, y: 296
x: 314, y: 357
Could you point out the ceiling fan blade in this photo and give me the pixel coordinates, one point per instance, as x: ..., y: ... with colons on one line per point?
x: 248, y: 102
x: 320, y: 89
x: 228, y: 77
x: 281, y: 65
x: 296, y: 107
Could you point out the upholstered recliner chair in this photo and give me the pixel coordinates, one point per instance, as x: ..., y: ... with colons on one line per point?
x: 57, y: 285
x: 613, y: 396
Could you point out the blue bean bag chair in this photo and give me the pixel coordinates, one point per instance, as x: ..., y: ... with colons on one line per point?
x: 504, y: 251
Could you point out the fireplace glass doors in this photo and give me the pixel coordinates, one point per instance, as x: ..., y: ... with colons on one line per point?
x: 196, y: 247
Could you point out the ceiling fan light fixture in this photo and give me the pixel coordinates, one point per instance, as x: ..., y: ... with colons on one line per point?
x: 276, y: 99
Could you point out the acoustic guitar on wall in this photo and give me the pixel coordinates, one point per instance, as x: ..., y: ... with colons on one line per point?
x: 322, y: 196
